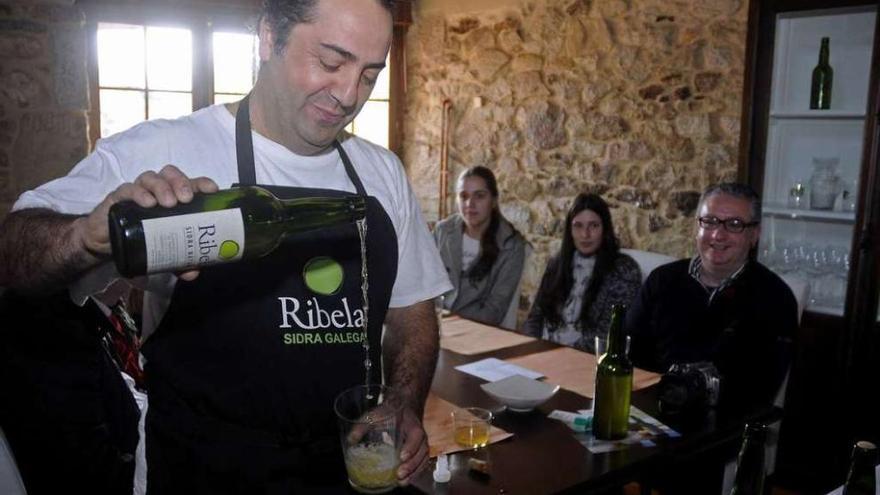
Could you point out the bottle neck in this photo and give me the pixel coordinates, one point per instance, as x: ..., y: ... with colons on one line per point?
x: 824, y: 52
x: 616, y: 337
x: 341, y: 209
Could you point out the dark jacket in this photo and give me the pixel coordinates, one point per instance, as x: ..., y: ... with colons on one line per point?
x: 619, y: 287
x: 488, y: 299
x: 746, y: 329
x: 68, y: 415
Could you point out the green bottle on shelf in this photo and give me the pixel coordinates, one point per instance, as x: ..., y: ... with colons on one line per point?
x: 823, y: 76
x: 862, y: 476
x: 614, y: 376
x: 750, y: 470
x: 225, y: 226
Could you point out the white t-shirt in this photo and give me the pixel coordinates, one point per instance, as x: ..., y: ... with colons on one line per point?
x: 203, y: 144
x: 470, y: 249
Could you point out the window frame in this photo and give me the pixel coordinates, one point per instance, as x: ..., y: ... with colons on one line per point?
x: 203, y: 20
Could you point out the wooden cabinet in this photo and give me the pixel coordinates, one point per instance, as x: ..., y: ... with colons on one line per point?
x: 817, y: 173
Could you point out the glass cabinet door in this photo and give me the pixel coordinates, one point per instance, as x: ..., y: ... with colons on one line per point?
x: 813, y: 157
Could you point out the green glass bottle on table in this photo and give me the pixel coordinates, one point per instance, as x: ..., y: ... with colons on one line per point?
x: 750, y: 466
x: 229, y: 225
x: 862, y: 476
x: 614, y: 376
x: 823, y: 76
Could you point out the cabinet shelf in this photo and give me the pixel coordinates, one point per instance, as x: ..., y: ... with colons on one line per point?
x: 807, y: 214
x: 825, y: 310
x: 818, y: 115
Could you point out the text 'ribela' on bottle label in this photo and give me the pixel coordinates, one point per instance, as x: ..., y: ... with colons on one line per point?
x: 194, y: 239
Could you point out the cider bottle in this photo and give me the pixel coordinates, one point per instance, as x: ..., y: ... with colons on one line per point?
x: 228, y: 225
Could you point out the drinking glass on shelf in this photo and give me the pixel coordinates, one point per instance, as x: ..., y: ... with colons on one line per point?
x: 797, y: 196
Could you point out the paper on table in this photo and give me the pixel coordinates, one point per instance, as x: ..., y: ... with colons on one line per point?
x: 494, y: 369
x: 574, y: 370
x: 469, y: 337
x: 438, y: 425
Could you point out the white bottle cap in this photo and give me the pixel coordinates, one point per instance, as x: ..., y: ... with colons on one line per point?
x: 441, y: 472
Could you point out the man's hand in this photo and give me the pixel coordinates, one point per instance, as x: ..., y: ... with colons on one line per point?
x: 414, y: 453
x: 166, y: 188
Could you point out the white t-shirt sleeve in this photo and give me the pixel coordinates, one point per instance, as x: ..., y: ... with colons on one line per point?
x: 420, y: 272
x: 81, y: 190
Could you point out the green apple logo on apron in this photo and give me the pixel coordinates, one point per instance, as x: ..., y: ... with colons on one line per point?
x: 323, y: 275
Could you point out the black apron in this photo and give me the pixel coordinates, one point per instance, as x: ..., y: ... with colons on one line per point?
x: 244, y: 366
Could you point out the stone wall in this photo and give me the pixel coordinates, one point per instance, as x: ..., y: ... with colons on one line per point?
x: 636, y: 100
x: 43, y: 94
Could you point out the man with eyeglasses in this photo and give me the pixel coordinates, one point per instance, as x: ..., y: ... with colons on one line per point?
x: 721, y: 306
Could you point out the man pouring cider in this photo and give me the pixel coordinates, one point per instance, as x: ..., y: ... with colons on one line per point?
x: 243, y: 360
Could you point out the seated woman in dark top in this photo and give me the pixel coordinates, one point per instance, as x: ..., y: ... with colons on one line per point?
x: 583, y: 280
x: 482, y: 252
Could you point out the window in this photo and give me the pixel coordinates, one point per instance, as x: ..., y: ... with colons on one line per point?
x: 372, y: 122
x: 148, y: 71
x: 147, y: 62
x: 236, y: 70
x: 144, y: 72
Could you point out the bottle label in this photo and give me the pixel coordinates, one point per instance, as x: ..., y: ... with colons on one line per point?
x: 194, y: 239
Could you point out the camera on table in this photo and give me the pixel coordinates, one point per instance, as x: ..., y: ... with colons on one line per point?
x: 689, y: 389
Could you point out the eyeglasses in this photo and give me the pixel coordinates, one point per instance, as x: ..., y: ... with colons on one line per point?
x: 732, y: 225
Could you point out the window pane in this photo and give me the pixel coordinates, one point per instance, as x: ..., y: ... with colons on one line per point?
x: 169, y: 105
x: 372, y: 122
x: 169, y: 58
x: 121, y: 55
x: 380, y: 90
x: 234, y: 62
x: 226, y: 98
x: 120, y: 110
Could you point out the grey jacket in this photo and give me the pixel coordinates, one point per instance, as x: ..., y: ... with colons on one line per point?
x: 486, y: 300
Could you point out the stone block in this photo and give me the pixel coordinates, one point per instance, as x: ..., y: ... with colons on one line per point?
x: 8, y: 129
x: 694, y: 126
x: 486, y: 63
x: 7, y: 193
x: 479, y: 40
x: 605, y: 127
x: 705, y: 82
x: 23, y: 89
x: 69, y: 64
x: 543, y: 125
x: 464, y: 25
x: 510, y: 41
x: 527, y: 62
x: 48, y: 145
x: 21, y: 45
x: 685, y: 202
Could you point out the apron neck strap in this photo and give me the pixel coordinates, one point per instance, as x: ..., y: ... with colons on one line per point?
x: 244, y: 150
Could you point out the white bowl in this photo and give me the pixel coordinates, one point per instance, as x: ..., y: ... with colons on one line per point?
x: 519, y: 393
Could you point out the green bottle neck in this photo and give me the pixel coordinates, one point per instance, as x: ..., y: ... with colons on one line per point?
x: 824, y: 52
x: 616, y: 336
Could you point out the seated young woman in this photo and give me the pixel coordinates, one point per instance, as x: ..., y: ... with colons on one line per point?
x: 483, y: 253
x: 583, y: 280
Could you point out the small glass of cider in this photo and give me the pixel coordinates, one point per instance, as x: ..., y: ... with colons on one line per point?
x: 470, y: 426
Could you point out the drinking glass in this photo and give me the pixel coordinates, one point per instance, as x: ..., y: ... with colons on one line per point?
x: 369, y: 427
x: 470, y: 426
x: 600, y: 347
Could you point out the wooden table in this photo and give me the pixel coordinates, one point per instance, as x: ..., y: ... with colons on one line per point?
x: 544, y: 457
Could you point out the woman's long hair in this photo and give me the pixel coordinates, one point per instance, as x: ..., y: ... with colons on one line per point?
x: 489, y: 248
x: 552, y: 300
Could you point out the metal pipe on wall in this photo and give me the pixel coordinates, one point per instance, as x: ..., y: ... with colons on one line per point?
x: 444, y: 160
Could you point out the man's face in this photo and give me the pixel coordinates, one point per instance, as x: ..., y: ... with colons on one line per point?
x: 326, y: 72
x: 723, y: 252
